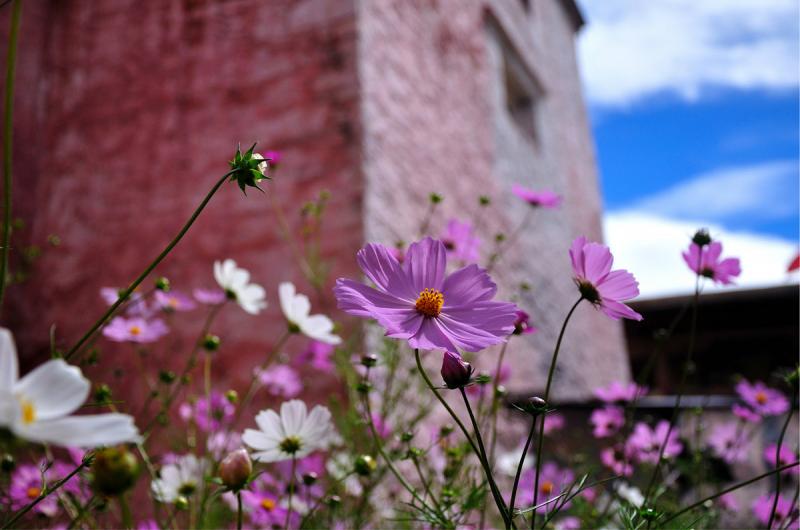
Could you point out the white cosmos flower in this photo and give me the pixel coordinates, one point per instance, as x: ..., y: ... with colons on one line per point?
x: 185, y: 477
x: 236, y: 284
x: 632, y: 494
x: 296, y: 309
x: 38, y: 407
x: 293, y: 434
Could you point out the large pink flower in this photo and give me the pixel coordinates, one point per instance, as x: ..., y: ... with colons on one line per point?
x: 598, y: 284
x: 415, y: 301
x: 706, y: 262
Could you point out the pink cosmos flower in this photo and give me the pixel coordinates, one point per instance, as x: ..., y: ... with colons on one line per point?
x: 317, y: 355
x: 220, y: 414
x: 174, y: 301
x: 523, y: 326
x: 705, y: 262
x: 785, y: 456
x: 543, y: 199
x: 616, y: 459
x: 553, y: 421
x: 135, y: 306
x: 647, y: 442
x: 762, y: 508
x: 568, y: 523
x: 727, y: 441
x: 263, y: 507
x: 209, y: 296
x: 607, y: 421
x: 618, y: 391
x: 382, y: 426
x: 221, y: 443
x: 762, y: 399
x: 280, y: 380
x: 552, y: 481
x: 460, y: 241
x: 26, y: 485
x: 745, y: 413
x: 273, y: 157
x: 598, y: 284
x: 135, y: 329
x: 417, y: 302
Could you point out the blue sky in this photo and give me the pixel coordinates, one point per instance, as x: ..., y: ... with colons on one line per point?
x: 695, y: 115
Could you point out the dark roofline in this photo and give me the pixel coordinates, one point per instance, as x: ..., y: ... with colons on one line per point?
x: 575, y: 13
x: 781, y: 291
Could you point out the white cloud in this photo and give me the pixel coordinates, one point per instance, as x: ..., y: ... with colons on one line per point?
x: 762, y: 191
x: 650, y: 247
x: 631, y: 49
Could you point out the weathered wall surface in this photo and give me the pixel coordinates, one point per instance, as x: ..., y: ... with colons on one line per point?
x: 435, y: 119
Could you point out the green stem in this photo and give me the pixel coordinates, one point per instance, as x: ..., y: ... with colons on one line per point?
x: 127, y: 518
x: 8, y: 141
x: 520, y: 465
x: 239, y: 510
x: 292, y: 482
x: 777, y: 461
x: 497, y: 498
x: 726, y: 490
x: 550, y: 375
x: 127, y: 292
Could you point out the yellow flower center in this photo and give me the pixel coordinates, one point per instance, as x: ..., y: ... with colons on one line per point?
x: 268, y: 504
x: 547, y: 487
x: 33, y: 492
x: 135, y: 330
x: 28, y: 412
x: 761, y: 398
x: 430, y: 302
x: 173, y: 303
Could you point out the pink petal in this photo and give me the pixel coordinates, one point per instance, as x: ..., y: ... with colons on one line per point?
x: 382, y: 267
x: 617, y: 310
x: 425, y: 264
x: 468, y: 284
x: 618, y: 285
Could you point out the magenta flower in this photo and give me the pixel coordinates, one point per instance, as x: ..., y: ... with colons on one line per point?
x: 705, y: 262
x: 273, y: 157
x: 618, y: 459
x: 456, y: 372
x: 727, y: 441
x: 317, y: 355
x: 552, y: 481
x: 209, y: 415
x: 762, y: 399
x: 607, y: 421
x: 762, y: 508
x: 620, y: 392
x: 785, y: 456
x: 280, y: 380
x: 209, y: 296
x: 543, y: 199
x: 26, y: 485
x: 460, y: 241
x: 174, y: 301
x: 745, y: 413
x: 553, y: 421
x: 598, y: 284
x: 522, y: 326
x: 135, y: 306
x: 647, y: 442
x: 135, y: 329
x: 262, y: 507
x: 728, y: 502
x: 382, y: 427
x: 416, y: 302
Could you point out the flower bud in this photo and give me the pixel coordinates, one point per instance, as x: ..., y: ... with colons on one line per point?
x: 181, y: 502
x: 522, y: 325
x: 364, y: 387
x: 235, y: 469
x: 533, y: 406
x: 211, y: 342
x: 364, y: 465
x: 406, y: 436
x: 7, y: 463
x: 167, y: 376
x: 484, y: 200
x: 701, y: 238
x: 162, y: 284
x: 369, y: 360
x: 248, y: 168
x: 435, y: 198
x: 455, y: 371
x: 232, y: 396
x: 333, y: 501
x: 309, y: 478
x: 114, y: 471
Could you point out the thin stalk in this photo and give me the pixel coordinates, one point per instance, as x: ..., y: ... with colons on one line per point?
x: 292, y: 482
x: 727, y: 490
x: 484, y: 460
x: 46, y: 493
x: 8, y: 141
x: 125, y: 510
x: 521, y: 464
x: 497, y: 498
x: 777, y: 461
x: 248, y: 396
x: 495, y: 400
x: 681, y: 387
x: 551, y: 372
x: 139, y: 279
x: 496, y: 255
x: 239, y: 510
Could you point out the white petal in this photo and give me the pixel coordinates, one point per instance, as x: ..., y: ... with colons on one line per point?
x: 300, y: 309
x: 270, y: 424
x: 54, y: 388
x: 273, y: 455
x: 251, y: 298
x: 164, y: 491
x: 286, y: 293
x: 239, y: 278
x: 319, y: 327
x: 293, y: 416
x: 258, y: 440
x: 9, y: 367
x: 82, y: 431
x: 219, y: 275
x: 317, y: 428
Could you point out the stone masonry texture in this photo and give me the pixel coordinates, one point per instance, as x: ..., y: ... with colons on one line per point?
x: 128, y: 110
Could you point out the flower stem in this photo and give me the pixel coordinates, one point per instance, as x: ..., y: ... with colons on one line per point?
x: 521, y: 463
x: 777, y: 462
x: 8, y: 141
x: 239, y: 510
x: 139, y: 279
x: 726, y: 490
x: 550, y: 375
x: 495, y: 493
x: 292, y: 482
x: 125, y: 509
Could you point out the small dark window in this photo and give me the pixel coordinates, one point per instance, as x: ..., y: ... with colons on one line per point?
x: 522, y: 95
x: 526, y: 5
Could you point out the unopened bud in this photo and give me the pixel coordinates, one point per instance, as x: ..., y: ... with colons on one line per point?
x: 309, y: 478
x: 232, y: 396
x: 364, y: 387
x: 369, y: 360
x: 484, y: 200
x: 181, y: 502
x: 235, y: 469
x: 162, y: 284
x: 435, y: 198
x: 333, y: 501
x: 114, y: 471
x: 406, y: 436
x: 211, y: 342
x: 364, y: 465
x: 701, y: 238
x: 7, y: 463
x: 455, y: 371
